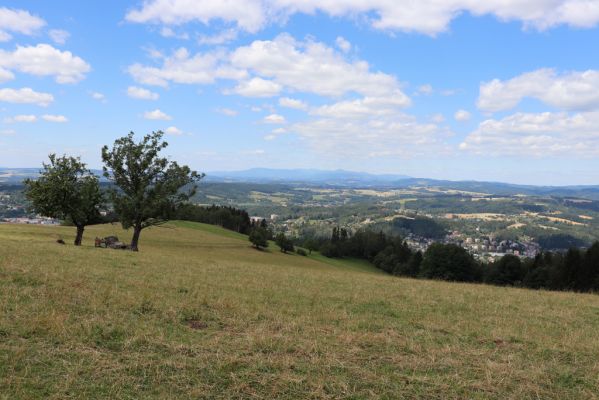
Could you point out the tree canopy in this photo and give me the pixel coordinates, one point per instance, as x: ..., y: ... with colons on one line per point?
x: 66, y: 190
x: 148, y: 188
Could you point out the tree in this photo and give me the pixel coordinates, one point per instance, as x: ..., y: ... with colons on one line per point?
x: 448, y: 262
x: 259, y: 237
x: 311, y: 244
x: 507, y: 270
x: 149, y: 188
x: 284, y: 243
x: 66, y: 190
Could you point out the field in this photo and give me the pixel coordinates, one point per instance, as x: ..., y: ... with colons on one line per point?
x: 197, y: 313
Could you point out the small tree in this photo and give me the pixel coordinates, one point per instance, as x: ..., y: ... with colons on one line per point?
x: 311, y: 244
x: 149, y: 189
x: 259, y: 237
x: 66, y: 190
x: 284, y: 243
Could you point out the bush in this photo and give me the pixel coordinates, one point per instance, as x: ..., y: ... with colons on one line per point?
x: 301, y: 252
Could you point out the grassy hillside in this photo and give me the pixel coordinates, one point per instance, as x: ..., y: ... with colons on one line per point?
x: 199, y: 314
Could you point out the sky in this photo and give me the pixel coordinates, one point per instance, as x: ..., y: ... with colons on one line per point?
x: 450, y: 89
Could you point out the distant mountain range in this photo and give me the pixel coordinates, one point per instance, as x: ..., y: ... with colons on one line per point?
x: 336, y: 177
x: 343, y: 178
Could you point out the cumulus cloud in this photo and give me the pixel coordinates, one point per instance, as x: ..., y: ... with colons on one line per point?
x: 537, y: 134
x: 258, y: 87
x: 181, y: 67
x: 98, y: 96
x: 312, y: 67
x: 45, y: 60
x: 18, y: 21
x: 397, y: 135
x: 173, y: 130
x: 274, y: 119
x: 169, y: 33
x: 292, y: 103
x: 157, y: 115
x: 6, y: 75
x: 20, y: 118
x: 425, y: 89
x: 438, y: 118
x: 429, y: 17
x: 227, y: 111
x: 59, y: 36
x: 25, y: 96
x: 364, y: 107
x: 273, y: 65
x: 223, y: 37
x: 141, y: 93
x: 462, y: 115
x: 343, y: 44
x: 567, y: 91
x: 55, y: 118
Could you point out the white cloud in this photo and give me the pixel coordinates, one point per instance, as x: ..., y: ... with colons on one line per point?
x: 343, y: 44
x: 274, y: 119
x: 462, y: 115
x: 396, y: 135
x: 257, y: 87
x: 311, y: 67
x: 25, y: 96
x: 141, y: 93
x: 180, y: 67
x: 157, y: 115
x: 98, y: 96
x: 45, y: 60
x: 275, y: 65
x: 169, y: 33
x: 18, y: 21
x: 364, y: 107
x: 20, y: 118
x: 424, y: 16
x: 6, y: 75
x: 223, y: 37
x: 567, y: 91
x: 539, y: 135
x: 59, y: 36
x: 227, y: 111
x: 425, y: 89
x: 173, y: 130
x: 438, y: 118
x: 55, y: 118
x: 176, y: 12
x: 292, y: 103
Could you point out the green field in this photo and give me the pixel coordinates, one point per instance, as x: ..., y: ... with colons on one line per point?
x: 198, y: 313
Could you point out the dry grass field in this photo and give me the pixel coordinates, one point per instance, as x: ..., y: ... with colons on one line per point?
x: 198, y: 313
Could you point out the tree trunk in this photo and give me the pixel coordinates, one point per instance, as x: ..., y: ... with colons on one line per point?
x: 79, y: 236
x: 135, y: 239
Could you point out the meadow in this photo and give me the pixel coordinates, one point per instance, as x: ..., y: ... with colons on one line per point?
x: 198, y: 313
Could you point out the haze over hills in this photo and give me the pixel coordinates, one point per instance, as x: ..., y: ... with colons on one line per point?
x: 347, y: 179
x: 333, y: 177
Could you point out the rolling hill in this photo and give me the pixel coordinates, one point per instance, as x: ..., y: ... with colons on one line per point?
x: 198, y: 313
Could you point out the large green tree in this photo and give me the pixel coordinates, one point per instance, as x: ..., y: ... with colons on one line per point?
x: 66, y: 190
x: 148, y: 188
x: 448, y: 262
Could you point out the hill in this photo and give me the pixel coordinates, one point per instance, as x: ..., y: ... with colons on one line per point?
x: 199, y: 314
x: 314, y: 176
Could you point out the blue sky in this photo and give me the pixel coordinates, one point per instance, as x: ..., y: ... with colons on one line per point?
x: 494, y: 90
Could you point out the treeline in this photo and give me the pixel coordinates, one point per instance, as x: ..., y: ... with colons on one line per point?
x: 576, y: 270
x: 226, y: 217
